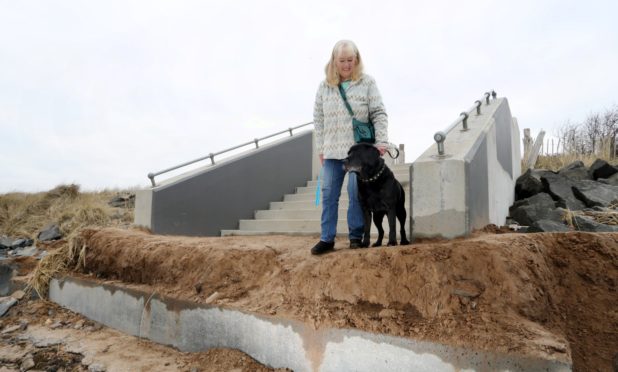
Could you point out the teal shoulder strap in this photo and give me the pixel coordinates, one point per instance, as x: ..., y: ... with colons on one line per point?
x: 345, y: 100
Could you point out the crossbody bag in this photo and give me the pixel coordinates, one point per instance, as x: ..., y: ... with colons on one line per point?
x: 363, y: 132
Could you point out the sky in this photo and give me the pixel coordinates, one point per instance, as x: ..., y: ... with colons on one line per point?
x: 100, y: 93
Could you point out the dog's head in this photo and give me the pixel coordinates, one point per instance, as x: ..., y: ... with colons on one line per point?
x: 363, y: 159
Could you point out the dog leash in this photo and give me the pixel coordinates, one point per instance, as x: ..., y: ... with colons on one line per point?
x: 317, y: 189
x: 391, y: 155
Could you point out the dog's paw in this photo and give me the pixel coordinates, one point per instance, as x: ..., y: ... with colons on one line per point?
x: 377, y: 244
x: 364, y: 244
x: 391, y: 244
x: 404, y: 242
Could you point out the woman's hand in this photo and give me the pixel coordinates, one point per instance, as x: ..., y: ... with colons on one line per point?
x: 322, y: 159
x: 382, y: 148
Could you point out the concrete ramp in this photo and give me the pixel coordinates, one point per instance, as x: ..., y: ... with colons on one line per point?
x: 472, y: 184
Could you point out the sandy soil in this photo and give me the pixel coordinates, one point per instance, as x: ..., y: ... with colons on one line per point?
x: 57, y: 339
x: 550, y: 295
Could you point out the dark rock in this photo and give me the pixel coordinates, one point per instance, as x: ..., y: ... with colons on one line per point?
x: 5, y: 304
x: 595, y: 193
x: 601, y: 169
x: 548, y: 226
x: 50, y: 232
x: 537, y: 207
x: 584, y: 223
x: 613, y: 180
x: 575, y: 171
x: 123, y: 201
x: 6, y: 274
x: 560, y: 188
x: 19, y: 243
x: 529, y: 184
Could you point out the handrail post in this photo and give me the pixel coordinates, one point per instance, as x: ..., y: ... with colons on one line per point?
x: 257, y: 146
x: 152, y: 176
x: 291, y: 134
x: 439, y: 137
x: 212, y: 158
x: 465, y: 121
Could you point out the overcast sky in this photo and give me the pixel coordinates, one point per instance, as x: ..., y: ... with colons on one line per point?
x: 100, y: 93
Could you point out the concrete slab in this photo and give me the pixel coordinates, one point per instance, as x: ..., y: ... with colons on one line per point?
x: 277, y: 342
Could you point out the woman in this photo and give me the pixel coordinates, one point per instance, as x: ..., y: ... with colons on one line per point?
x: 334, y: 136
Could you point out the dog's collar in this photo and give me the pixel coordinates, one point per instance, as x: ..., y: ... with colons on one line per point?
x: 376, y: 176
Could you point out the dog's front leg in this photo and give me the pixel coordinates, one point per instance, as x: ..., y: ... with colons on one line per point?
x: 366, y: 228
x: 392, y: 226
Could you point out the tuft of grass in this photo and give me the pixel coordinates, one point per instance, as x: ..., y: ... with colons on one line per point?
x: 70, y: 256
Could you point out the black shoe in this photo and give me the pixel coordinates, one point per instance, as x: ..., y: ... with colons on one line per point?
x: 355, y: 243
x: 322, y: 247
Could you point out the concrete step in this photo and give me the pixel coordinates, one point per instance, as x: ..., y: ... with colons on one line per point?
x: 343, y: 203
x: 307, y: 225
x: 403, y: 178
x: 311, y: 197
x: 310, y: 189
x: 340, y: 233
x: 310, y: 203
x: 295, y: 214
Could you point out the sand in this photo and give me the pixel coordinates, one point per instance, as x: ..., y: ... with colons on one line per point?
x: 550, y: 295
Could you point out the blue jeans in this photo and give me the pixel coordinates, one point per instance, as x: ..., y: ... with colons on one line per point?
x: 332, y: 180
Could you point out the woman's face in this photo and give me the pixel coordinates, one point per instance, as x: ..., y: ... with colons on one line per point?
x: 345, y: 63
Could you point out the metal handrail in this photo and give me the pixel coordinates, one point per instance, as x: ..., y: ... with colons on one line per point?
x: 440, y: 136
x: 213, y: 154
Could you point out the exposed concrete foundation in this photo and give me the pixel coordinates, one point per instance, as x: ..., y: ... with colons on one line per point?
x: 272, y: 341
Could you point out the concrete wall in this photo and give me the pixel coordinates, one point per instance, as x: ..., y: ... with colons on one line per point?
x: 473, y: 184
x: 203, y: 202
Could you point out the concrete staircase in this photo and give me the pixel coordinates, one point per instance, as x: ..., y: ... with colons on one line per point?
x: 297, y: 214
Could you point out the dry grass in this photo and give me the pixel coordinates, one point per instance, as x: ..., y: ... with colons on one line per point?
x: 556, y: 162
x: 25, y: 215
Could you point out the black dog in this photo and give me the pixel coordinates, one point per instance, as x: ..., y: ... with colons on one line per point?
x: 379, y: 193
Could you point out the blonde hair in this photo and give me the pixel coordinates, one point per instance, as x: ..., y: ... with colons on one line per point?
x: 332, y: 76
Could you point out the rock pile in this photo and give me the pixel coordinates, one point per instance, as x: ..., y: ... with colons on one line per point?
x: 574, y: 198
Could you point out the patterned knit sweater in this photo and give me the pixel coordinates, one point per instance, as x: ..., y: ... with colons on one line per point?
x: 333, y: 123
